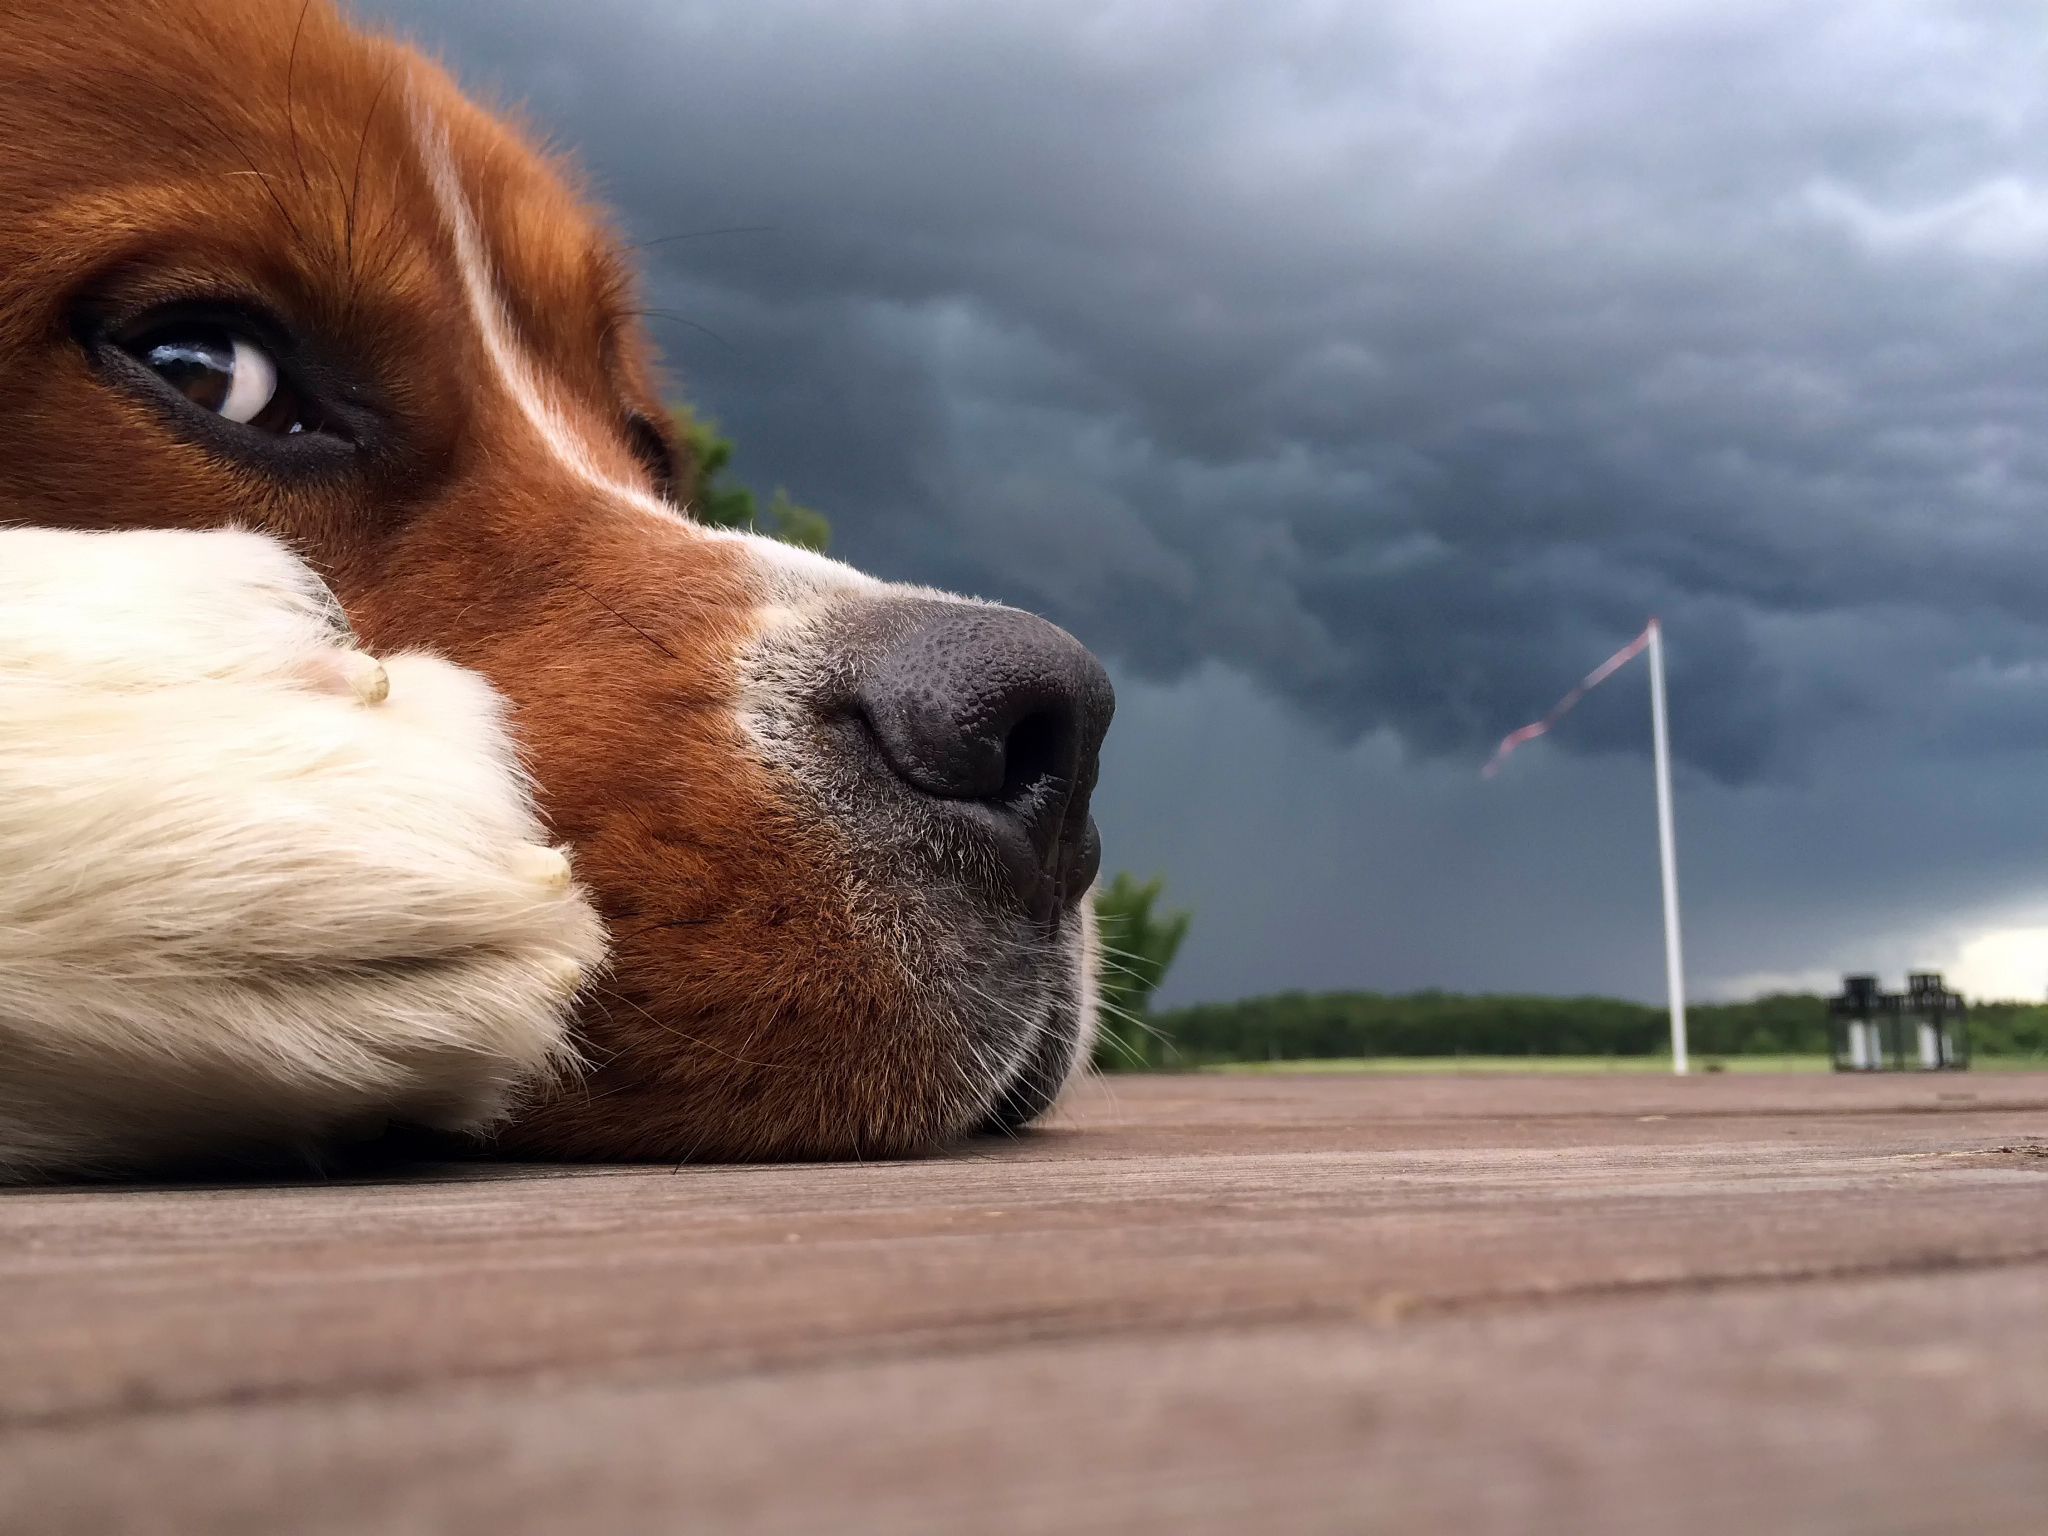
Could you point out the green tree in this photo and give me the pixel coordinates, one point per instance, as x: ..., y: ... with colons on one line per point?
x: 794, y: 524
x: 1138, y: 944
x: 707, y: 499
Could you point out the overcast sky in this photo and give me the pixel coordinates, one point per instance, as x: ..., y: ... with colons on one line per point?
x: 1355, y: 377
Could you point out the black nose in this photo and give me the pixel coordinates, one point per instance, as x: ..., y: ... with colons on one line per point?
x: 1004, y: 714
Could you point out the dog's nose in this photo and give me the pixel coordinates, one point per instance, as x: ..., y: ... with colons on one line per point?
x: 1004, y: 714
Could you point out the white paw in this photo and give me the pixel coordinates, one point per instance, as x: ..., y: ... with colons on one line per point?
x: 255, y: 885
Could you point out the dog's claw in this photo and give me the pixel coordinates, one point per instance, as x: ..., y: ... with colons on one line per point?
x: 365, y: 676
x: 564, y: 975
x: 351, y: 672
x: 547, y: 867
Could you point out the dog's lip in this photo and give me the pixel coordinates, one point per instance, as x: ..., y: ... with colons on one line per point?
x: 1050, y: 1058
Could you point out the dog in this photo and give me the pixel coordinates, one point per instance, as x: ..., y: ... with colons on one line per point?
x: 379, y: 741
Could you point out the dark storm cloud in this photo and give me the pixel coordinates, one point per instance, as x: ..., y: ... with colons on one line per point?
x: 1404, y: 357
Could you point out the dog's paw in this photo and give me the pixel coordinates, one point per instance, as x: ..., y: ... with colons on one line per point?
x: 153, y: 607
x: 256, y: 886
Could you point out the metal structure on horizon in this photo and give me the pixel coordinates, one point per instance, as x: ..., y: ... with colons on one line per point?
x: 1651, y: 640
x: 1924, y: 1028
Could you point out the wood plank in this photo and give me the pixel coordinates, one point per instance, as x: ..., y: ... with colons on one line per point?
x: 1255, y: 1301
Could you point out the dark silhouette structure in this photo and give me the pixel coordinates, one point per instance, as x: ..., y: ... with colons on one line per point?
x: 1924, y: 1029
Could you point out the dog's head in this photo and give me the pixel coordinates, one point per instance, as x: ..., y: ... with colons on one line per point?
x: 258, y: 268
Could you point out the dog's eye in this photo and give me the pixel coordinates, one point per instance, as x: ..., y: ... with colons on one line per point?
x: 228, y: 375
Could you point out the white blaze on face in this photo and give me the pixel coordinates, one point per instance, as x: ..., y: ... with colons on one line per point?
x: 791, y: 573
x: 515, y: 371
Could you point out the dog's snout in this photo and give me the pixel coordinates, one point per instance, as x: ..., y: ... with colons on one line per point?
x: 1003, y: 713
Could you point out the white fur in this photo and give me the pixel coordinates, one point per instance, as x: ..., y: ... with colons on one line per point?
x: 238, y: 904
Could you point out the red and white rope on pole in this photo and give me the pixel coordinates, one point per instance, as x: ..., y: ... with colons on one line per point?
x: 1651, y: 640
x: 1593, y: 679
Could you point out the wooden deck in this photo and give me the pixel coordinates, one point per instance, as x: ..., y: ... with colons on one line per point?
x: 1572, y: 1305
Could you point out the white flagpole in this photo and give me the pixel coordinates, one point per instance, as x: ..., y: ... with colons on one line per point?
x: 1667, y: 848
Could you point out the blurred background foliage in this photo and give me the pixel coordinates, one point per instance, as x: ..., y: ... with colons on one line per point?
x: 1139, y: 942
x: 1140, y: 937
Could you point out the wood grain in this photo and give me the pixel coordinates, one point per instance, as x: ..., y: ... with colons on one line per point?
x: 1471, y: 1304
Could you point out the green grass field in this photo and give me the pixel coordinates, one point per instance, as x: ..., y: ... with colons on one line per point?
x: 1590, y: 1064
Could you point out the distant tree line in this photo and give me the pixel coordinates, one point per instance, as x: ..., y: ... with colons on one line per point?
x: 2009, y: 1029
x: 1304, y: 1026
x: 1140, y: 937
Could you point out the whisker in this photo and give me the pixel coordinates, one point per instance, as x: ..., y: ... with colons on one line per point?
x: 665, y: 314
x: 680, y: 1034
x: 608, y: 608
x: 704, y: 234
x: 291, y: 66
x: 356, y: 180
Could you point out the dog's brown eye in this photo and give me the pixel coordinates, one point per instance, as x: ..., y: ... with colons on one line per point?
x: 226, y: 374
